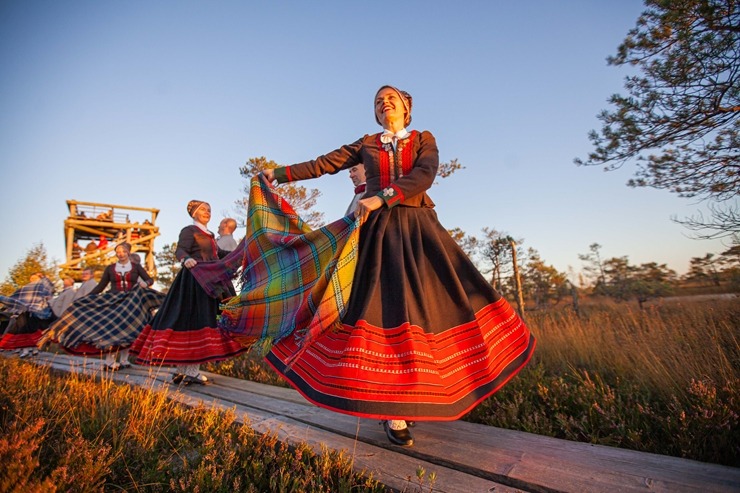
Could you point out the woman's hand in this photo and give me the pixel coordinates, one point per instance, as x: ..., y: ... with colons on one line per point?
x: 367, y: 205
x: 269, y: 174
x: 143, y: 283
x: 190, y: 263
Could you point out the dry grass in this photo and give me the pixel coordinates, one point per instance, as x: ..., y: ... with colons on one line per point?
x: 664, y: 379
x: 65, y: 432
x: 661, y: 348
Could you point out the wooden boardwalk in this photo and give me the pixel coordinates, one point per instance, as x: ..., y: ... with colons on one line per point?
x: 466, y: 457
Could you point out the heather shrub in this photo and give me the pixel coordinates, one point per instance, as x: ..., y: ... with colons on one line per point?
x: 67, y: 432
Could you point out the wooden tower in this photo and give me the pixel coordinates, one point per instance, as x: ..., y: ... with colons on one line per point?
x: 92, y: 231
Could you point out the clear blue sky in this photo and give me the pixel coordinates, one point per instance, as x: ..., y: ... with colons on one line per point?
x: 151, y: 104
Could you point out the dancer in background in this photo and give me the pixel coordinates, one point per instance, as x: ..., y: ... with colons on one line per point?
x: 108, y: 322
x: 62, y: 301
x: 225, y: 239
x: 357, y: 175
x: 29, y: 315
x: 88, y: 283
x: 184, y: 332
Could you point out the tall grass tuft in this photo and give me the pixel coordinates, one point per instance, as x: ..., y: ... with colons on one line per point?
x: 66, y: 432
x: 662, y: 380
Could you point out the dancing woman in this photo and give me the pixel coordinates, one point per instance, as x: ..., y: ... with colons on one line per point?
x: 424, y: 335
x: 108, y: 322
x: 184, y: 332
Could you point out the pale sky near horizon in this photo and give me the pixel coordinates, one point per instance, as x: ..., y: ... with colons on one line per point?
x: 151, y: 104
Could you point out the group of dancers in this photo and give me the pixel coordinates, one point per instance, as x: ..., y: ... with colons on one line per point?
x: 378, y: 315
x: 177, y: 329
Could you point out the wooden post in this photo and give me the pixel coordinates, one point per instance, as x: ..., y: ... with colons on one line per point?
x: 574, y: 295
x: 517, y: 279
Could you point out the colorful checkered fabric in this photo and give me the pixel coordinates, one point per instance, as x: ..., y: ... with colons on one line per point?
x: 213, y: 276
x: 33, y: 298
x: 296, y: 281
x: 106, y: 320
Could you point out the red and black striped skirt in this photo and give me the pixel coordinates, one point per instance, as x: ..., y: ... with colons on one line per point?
x: 425, y: 336
x: 184, y: 330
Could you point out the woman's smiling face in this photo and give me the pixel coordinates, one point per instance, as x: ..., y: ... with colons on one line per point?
x: 389, y: 106
x: 203, y: 214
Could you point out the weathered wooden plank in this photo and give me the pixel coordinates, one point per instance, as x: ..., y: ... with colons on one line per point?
x: 398, y: 473
x: 470, y: 457
x: 522, y: 459
x: 579, y: 463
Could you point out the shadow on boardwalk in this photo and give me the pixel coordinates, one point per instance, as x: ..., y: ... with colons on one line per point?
x: 466, y: 457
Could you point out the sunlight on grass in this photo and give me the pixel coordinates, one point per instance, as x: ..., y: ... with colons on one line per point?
x: 664, y: 379
x: 67, y: 432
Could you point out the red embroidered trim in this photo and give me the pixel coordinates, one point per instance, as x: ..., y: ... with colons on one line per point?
x: 384, y: 163
x: 387, y: 160
x: 405, y: 149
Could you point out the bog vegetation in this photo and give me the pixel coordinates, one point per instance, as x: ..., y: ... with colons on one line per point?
x: 65, y: 432
x: 662, y: 379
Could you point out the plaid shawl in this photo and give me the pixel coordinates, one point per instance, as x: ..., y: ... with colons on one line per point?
x: 295, y: 280
x: 33, y: 298
x: 105, y: 320
x: 213, y: 276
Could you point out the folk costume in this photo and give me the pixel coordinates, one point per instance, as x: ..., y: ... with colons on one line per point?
x: 108, y: 322
x: 62, y: 301
x: 359, y: 193
x: 423, y: 336
x: 184, y: 331
x: 122, y: 277
x: 28, y: 313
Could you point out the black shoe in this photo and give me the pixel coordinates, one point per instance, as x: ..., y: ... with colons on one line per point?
x: 398, y: 437
x: 190, y: 380
x: 177, y: 378
x: 410, y: 424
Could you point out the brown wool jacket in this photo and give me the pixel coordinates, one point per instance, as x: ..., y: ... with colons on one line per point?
x: 399, y: 177
x: 195, y: 243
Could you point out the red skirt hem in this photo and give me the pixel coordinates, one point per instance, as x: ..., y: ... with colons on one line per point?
x: 303, y: 388
x: 183, y: 347
x: 20, y: 341
x: 86, y: 349
x: 405, y: 372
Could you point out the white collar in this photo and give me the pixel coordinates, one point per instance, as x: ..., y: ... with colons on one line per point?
x: 387, y: 137
x: 201, y: 226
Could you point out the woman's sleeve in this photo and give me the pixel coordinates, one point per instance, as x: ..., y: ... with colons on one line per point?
x: 343, y: 158
x: 104, y: 281
x: 420, y: 178
x: 184, y: 244
x: 143, y: 275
